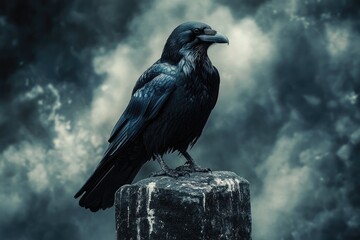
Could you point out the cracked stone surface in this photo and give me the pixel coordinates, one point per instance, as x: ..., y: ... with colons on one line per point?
x: 200, y: 206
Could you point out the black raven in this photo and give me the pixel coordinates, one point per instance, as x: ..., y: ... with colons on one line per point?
x: 168, y: 109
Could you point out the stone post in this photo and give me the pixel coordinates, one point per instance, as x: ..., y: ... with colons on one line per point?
x: 200, y: 206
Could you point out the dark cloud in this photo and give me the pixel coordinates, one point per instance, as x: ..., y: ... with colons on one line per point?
x: 287, y: 117
x: 53, y: 42
x: 47, y: 79
x: 245, y: 7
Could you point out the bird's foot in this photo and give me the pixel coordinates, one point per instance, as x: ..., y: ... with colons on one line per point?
x: 184, y: 168
x: 170, y: 172
x: 200, y: 169
x: 192, y: 168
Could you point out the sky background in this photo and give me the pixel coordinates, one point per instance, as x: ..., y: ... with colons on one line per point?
x: 287, y: 117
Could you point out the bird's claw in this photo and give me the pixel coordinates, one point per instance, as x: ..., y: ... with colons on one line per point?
x: 199, y: 169
x: 205, y: 170
x: 184, y: 168
x: 171, y: 173
x: 192, y: 168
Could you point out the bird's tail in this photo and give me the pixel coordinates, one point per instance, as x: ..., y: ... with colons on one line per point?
x: 99, y: 190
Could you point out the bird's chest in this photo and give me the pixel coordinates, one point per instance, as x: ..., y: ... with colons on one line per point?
x: 196, y: 95
x: 192, y: 108
x: 196, y: 81
x: 198, y: 91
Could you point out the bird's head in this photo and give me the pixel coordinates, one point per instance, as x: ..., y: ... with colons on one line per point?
x: 190, y: 37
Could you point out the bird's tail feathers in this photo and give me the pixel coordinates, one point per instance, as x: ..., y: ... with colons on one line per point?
x: 98, y: 191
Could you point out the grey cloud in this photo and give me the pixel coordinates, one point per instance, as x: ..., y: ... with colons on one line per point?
x: 287, y: 118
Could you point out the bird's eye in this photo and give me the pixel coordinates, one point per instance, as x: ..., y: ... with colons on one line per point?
x: 196, y: 30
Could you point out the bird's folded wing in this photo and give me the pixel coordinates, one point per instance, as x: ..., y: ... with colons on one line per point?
x: 144, y: 105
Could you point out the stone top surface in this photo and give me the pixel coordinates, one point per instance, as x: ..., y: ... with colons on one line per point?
x: 196, y: 181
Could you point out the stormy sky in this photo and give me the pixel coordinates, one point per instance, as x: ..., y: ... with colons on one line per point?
x: 287, y: 118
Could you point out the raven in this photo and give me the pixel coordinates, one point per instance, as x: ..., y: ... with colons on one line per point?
x: 168, y: 109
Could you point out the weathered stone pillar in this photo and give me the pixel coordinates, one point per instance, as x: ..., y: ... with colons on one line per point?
x: 200, y: 206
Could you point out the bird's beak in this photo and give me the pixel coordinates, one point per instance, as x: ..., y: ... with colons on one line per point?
x: 211, y: 36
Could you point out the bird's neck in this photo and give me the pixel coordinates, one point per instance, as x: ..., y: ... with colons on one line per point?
x: 192, y: 61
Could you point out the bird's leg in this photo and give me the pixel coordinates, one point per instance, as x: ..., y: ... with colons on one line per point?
x: 191, y: 165
x: 166, y: 170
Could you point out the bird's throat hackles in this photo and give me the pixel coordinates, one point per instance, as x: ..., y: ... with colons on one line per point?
x: 193, y: 58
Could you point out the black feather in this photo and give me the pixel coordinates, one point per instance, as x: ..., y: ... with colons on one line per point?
x: 168, y: 109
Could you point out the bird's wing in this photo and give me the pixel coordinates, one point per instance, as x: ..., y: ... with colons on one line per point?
x: 145, y: 104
